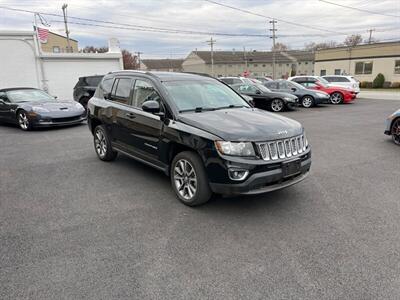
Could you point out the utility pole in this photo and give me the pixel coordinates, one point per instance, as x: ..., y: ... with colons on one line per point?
x: 211, y: 42
x: 273, y: 37
x: 245, y: 59
x: 64, y: 9
x: 370, y: 35
x: 138, y: 56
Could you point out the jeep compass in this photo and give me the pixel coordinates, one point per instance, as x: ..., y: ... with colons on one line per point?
x: 199, y: 132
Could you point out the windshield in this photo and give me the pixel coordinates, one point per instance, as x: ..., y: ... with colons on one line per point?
x: 262, y: 88
x: 297, y: 85
x: 323, y: 80
x: 203, y: 95
x: 18, y: 96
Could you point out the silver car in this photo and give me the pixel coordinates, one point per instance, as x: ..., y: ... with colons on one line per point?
x: 393, y: 126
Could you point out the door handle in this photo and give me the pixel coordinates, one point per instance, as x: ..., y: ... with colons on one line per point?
x: 131, y: 115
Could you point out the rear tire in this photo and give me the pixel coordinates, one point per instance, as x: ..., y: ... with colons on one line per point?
x: 307, y: 101
x: 395, y: 131
x: 277, y: 105
x: 102, y: 144
x: 189, y: 179
x: 336, y: 98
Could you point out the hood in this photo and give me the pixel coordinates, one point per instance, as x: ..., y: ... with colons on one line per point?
x: 57, y: 105
x: 243, y: 124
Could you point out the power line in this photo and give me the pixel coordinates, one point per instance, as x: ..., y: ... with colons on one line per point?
x: 133, y: 26
x: 211, y: 42
x: 273, y: 18
x: 359, y: 9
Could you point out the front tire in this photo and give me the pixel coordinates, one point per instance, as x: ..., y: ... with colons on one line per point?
x: 336, y: 98
x: 102, y: 144
x: 189, y: 179
x: 395, y: 131
x: 23, y: 121
x: 277, y: 105
x: 307, y: 101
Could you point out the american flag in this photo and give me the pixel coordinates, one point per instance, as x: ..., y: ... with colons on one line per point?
x: 43, y: 34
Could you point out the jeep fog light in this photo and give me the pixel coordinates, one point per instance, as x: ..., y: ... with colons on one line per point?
x: 238, y: 174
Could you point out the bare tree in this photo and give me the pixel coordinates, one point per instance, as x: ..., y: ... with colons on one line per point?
x: 280, y: 47
x: 323, y: 45
x: 130, y: 61
x: 353, y: 40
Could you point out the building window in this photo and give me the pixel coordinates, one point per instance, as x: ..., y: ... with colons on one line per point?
x: 287, y: 65
x: 364, y: 67
x: 299, y: 63
x: 397, y: 67
x: 56, y: 49
x: 306, y: 62
x: 337, y: 71
x: 323, y: 72
x: 255, y: 65
x: 263, y: 65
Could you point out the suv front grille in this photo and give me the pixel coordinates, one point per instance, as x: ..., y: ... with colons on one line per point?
x: 285, y: 148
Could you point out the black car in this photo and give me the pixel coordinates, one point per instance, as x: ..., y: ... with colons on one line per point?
x: 29, y: 108
x: 308, y: 98
x: 198, y: 131
x: 264, y: 98
x: 85, y: 88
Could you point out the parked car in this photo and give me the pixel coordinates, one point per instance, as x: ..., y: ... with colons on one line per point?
x: 85, y: 88
x: 262, y: 80
x: 264, y: 98
x: 393, y: 126
x: 29, y: 108
x: 338, y: 94
x: 198, y: 131
x: 236, y: 80
x: 307, y: 98
x: 346, y: 81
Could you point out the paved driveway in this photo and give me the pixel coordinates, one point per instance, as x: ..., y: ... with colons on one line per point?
x: 74, y: 227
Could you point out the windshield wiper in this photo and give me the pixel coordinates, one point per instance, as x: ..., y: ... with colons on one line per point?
x: 231, y: 106
x: 197, y: 109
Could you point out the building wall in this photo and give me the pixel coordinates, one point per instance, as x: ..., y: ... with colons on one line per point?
x: 194, y: 64
x: 383, y: 57
x: 55, y: 40
x: 18, y: 64
x: 21, y: 65
x: 62, y: 73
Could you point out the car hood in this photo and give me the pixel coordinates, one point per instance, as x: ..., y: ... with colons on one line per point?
x: 58, y: 105
x: 243, y: 124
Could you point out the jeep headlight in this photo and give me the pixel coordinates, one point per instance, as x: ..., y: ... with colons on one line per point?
x: 235, y: 148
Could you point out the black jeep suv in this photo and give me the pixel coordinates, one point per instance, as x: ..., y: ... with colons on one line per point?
x: 85, y: 88
x: 198, y: 131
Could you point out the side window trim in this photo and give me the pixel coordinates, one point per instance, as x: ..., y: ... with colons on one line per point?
x: 114, y: 98
x: 133, y: 100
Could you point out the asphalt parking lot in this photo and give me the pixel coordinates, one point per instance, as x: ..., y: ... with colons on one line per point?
x: 72, y: 226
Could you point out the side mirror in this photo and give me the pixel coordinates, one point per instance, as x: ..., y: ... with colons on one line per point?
x: 293, y: 89
x: 151, y: 106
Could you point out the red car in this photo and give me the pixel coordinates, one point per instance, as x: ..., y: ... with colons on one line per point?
x: 338, y: 94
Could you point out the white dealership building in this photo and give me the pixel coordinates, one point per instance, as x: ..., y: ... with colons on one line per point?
x: 23, y: 64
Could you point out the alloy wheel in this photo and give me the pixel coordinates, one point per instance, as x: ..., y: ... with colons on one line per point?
x: 307, y: 102
x: 185, y: 179
x: 336, y: 98
x: 277, y: 105
x: 100, y: 143
x: 396, y: 132
x: 23, y: 121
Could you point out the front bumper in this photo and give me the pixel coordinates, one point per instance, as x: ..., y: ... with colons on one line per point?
x: 263, y: 182
x: 53, y: 122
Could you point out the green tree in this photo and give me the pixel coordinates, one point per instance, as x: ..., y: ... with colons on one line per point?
x: 378, y: 81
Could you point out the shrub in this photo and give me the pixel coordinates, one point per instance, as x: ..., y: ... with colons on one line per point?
x: 369, y: 85
x: 378, y: 81
x: 387, y: 84
x: 365, y: 84
x: 395, y: 85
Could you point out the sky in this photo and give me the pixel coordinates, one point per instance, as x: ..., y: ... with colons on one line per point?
x: 299, y: 22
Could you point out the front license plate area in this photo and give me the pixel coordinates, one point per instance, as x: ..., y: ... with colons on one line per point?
x: 291, y: 168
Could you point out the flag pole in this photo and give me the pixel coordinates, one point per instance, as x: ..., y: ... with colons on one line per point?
x: 44, y: 85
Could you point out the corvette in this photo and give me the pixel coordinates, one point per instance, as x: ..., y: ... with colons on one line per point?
x: 29, y: 108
